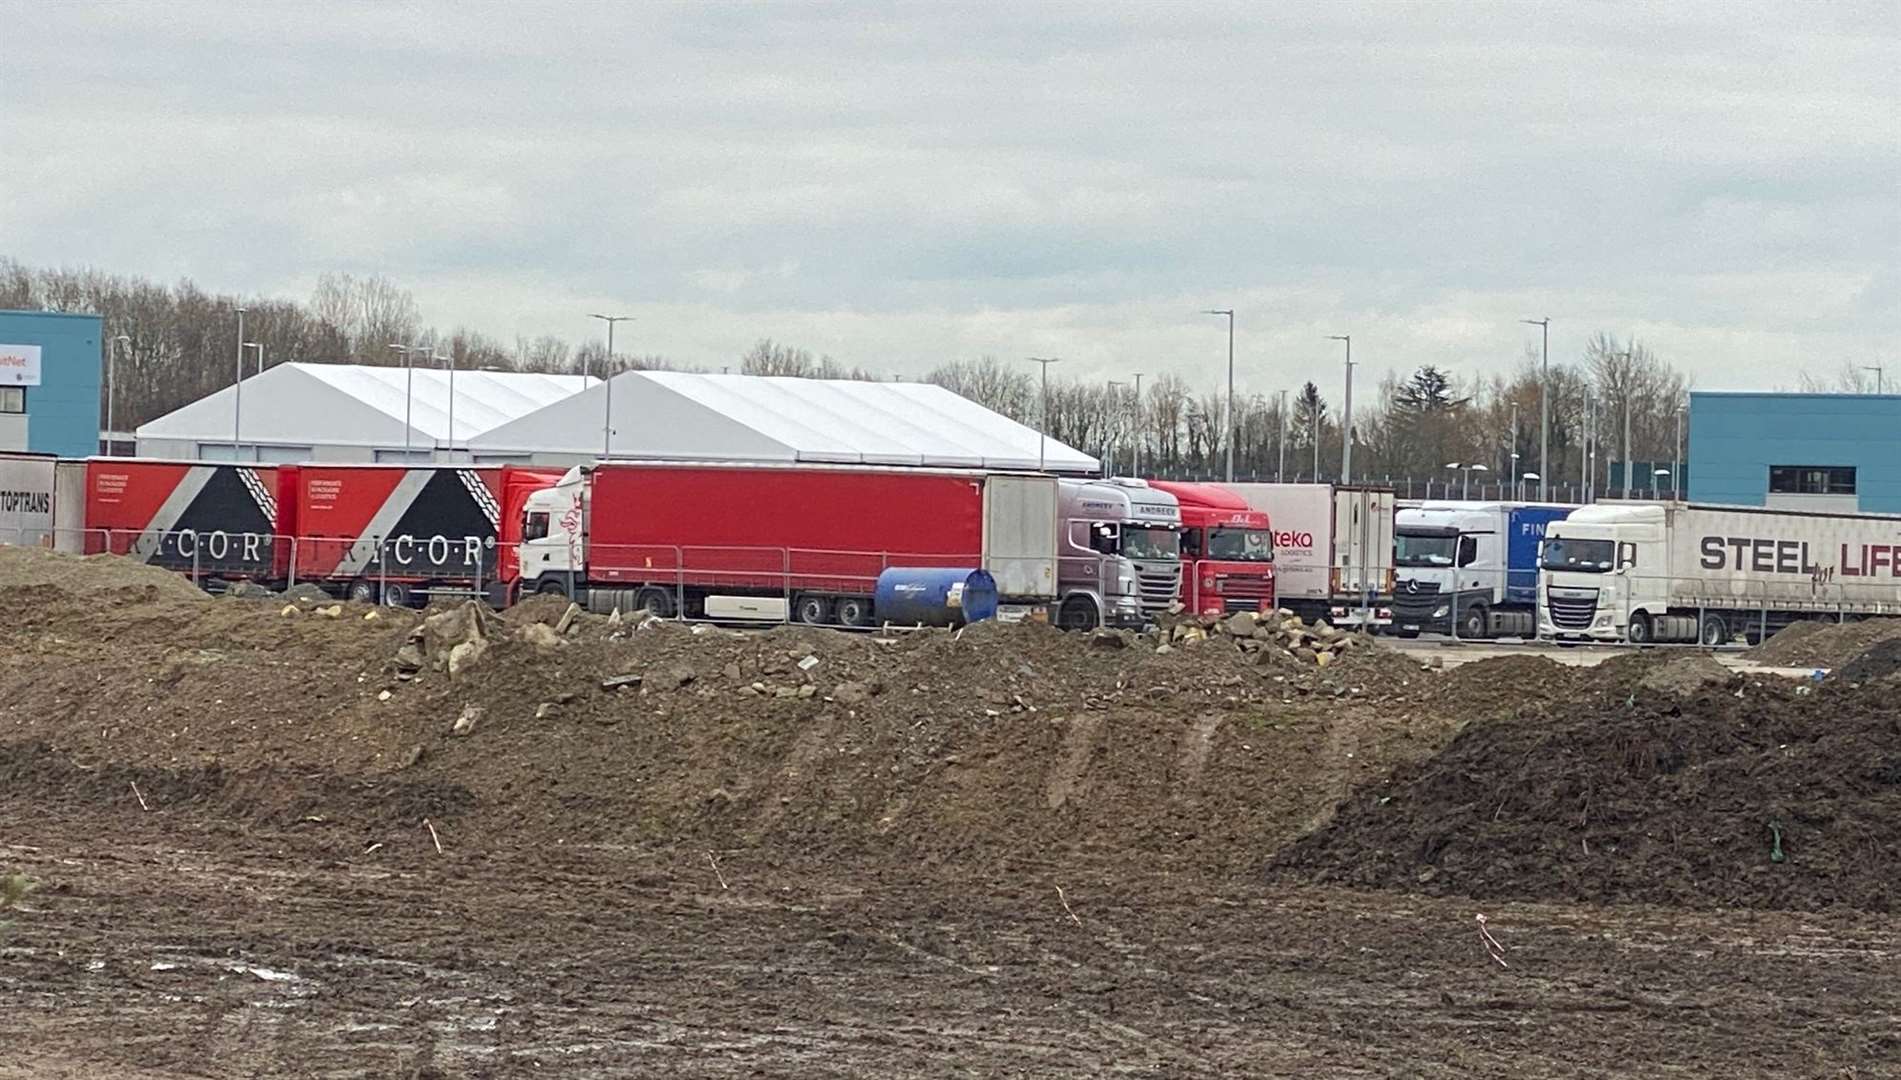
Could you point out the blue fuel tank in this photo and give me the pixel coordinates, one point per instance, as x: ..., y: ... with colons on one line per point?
x: 934, y: 596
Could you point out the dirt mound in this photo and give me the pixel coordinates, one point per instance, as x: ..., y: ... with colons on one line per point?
x: 92, y: 575
x: 1823, y: 644
x: 1879, y: 661
x: 1503, y: 684
x: 1685, y: 675
x: 1776, y: 798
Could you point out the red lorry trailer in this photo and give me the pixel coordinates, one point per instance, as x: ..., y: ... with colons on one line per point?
x: 774, y: 542
x: 1227, y: 550
x: 397, y: 534
x: 217, y: 523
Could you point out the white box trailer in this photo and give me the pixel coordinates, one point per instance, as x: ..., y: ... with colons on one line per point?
x: 1674, y: 571
x: 1333, y: 549
x: 26, y: 499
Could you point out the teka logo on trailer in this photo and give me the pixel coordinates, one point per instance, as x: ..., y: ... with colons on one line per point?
x: 1295, y: 541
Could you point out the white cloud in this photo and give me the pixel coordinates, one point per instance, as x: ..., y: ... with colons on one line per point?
x: 903, y: 186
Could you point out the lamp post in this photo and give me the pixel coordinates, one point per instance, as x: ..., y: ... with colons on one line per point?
x: 409, y: 387
x: 1136, y: 465
x: 1228, y: 436
x: 1346, y: 417
x: 112, y: 385
x: 1876, y: 368
x: 1524, y: 477
x: 237, y: 393
x: 1544, y: 405
x: 1043, y: 410
x: 1465, y: 491
x: 1280, y: 467
x: 1676, y: 465
x: 607, y: 383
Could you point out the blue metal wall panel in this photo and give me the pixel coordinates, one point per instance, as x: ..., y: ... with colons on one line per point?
x: 62, y: 413
x: 1525, y: 529
x: 1735, y: 438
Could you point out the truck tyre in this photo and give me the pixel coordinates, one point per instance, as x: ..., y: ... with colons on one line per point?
x: 855, y: 611
x: 362, y: 592
x: 1475, y: 623
x: 1639, y: 631
x: 1713, y: 632
x: 812, y: 609
x: 551, y: 587
x: 1078, y: 613
x: 396, y: 594
x: 654, y: 601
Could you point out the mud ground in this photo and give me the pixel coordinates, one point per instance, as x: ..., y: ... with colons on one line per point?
x: 993, y: 855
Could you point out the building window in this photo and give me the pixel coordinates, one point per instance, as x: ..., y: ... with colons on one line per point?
x: 1811, y: 479
x: 12, y: 399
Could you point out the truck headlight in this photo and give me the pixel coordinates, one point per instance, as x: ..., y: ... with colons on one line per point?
x: 1441, y: 611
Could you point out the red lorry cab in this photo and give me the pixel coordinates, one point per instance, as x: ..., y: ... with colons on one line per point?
x: 1227, y: 550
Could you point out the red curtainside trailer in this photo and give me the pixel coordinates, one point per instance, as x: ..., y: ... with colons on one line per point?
x: 216, y: 522
x: 755, y: 541
x: 395, y: 533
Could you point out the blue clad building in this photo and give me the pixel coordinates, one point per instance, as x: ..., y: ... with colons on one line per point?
x: 49, y: 382
x: 1826, y: 452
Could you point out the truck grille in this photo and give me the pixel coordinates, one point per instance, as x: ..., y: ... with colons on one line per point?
x: 1572, y: 612
x: 1159, y: 588
x: 1415, y: 600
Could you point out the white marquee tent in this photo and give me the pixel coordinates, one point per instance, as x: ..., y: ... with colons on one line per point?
x: 680, y: 416
x: 352, y: 413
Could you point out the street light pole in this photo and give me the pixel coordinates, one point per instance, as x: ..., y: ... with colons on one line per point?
x: 1228, y: 436
x: 112, y: 385
x: 1043, y: 410
x: 1136, y: 466
x: 1676, y: 466
x: 607, y: 381
x: 1544, y: 407
x: 1876, y: 368
x: 1346, y: 418
x: 1108, y: 432
x: 1518, y: 486
x: 1280, y: 466
x: 409, y: 386
x: 237, y: 394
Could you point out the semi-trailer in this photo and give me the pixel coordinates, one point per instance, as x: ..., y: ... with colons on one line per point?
x: 1333, y: 549
x: 214, y: 522
x: 1469, y: 568
x: 807, y: 543
x: 1227, y: 550
x: 1672, y: 571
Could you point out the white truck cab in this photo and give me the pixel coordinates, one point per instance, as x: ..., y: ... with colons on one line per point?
x: 1119, y: 552
x: 1600, y: 567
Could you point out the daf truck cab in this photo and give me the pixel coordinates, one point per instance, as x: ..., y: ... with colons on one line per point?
x: 1469, y: 568
x: 1119, y: 553
x: 1227, y: 550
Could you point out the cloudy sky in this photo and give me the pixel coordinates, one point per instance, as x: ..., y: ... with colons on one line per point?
x: 902, y: 184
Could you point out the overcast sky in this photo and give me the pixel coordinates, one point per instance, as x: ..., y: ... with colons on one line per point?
x: 900, y: 185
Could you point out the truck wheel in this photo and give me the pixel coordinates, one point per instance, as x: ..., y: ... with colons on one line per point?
x: 362, y: 592
x: 1713, y: 632
x: 551, y: 587
x: 855, y: 611
x: 655, y: 602
x: 1639, y: 632
x: 1476, y: 623
x: 1078, y: 613
x: 812, y: 609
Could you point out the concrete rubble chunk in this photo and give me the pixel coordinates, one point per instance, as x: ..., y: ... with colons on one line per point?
x: 616, y: 682
x: 466, y: 721
x: 541, y: 635
x: 851, y: 693
x: 568, y: 619
x: 1106, y: 638
x: 1240, y: 624
x: 466, y: 655
x: 544, y: 710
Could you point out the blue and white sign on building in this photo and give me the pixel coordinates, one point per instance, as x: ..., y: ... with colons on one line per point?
x: 50, y: 397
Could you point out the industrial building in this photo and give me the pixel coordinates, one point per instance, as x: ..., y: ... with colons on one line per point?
x: 49, y: 382
x: 1833, y: 453
x: 680, y: 416
x: 351, y: 413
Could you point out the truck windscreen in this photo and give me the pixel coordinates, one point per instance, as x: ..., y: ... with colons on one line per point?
x: 1583, y: 556
x: 1241, y: 545
x: 1151, y: 543
x: 1424, y: 549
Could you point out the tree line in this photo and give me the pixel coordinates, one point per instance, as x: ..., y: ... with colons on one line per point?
x: 181, y: 344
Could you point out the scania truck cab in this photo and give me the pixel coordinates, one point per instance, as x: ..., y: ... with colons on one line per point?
x: 1227, y: 550
x: 1119, y: 553
x: 1469, y: 568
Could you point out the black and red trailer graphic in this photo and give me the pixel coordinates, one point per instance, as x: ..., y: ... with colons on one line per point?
x: 212, y: 521
x: 387, y: 531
